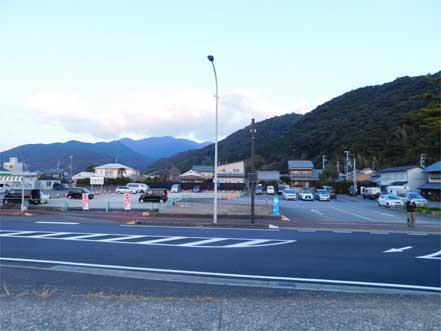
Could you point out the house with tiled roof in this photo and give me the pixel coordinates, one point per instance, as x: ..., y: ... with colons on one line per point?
x: 302, y: 173
x: 432, y: 188
x: 411, y: 176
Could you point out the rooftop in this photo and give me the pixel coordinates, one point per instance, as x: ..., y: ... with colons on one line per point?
x: 268, y: 175
x: 203, y: 168
x: 435, y: 167
x: 113, y: 166
x: 399, y: 169
x: 300, y: 164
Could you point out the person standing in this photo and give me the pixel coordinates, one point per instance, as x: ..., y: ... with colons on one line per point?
x: 411, y: 212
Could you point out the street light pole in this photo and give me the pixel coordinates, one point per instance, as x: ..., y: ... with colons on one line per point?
x: 211, y: 59
x: 253, y: 170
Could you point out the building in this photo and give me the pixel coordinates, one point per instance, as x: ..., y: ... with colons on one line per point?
x: 82, y: 175
x: 231, y: 172
x: 46, y: 182
x: 432, y: 188
x: 116, y: 170
x: 205, y: 170
x: 268, y: 176
x: 302, y: 173
x: 192, y: 176
x: 13, y: 165
x: 411, y: 176
x: 55, y: 173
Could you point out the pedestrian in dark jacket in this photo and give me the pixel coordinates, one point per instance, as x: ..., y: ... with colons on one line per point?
x: 411, y: 214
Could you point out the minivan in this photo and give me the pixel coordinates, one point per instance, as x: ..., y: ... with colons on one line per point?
x: 138, y: 187
x: 371, y: 193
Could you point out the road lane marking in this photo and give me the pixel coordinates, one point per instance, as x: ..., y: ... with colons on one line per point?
x: 316, y: 211
x: 417, y: 234
x: 433, y: 256
x: 120, y: 238
x: 342, y: 231
x: 63, y: 223
x: 378, y: 232
x: 202, y: 242
x: 250, y: 243
x: 193, y: 228
x: 12, y: 234
x: 227, y: 275
x: 161, y: 240
x: 353, y: 214
x: 198, y: 242
x: 398, y: 250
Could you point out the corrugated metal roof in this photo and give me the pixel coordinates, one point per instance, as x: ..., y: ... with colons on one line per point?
x: 431, y: 186
x: 113, y: 166
x: 203, y: 168
x: 300, y: 164
x: 436, y: 167
x: 399, y: 169
x: 268, y: 175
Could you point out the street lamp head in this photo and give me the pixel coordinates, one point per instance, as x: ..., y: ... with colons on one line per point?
x: 210, y: 58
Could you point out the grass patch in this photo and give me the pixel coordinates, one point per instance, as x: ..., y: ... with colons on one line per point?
x: 429, y: 210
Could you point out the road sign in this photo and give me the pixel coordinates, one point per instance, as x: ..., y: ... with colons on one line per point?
x: 97, y: 180
x: 85, y: 197
x: 276, y: 207
x: 127, y: 201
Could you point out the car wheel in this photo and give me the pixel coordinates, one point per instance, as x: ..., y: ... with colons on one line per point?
x: 387, y: 205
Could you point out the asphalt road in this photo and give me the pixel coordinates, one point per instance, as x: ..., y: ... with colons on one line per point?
x: 262, y: 258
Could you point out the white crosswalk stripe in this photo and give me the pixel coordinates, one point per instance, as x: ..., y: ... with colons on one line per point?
x: 176, y: 241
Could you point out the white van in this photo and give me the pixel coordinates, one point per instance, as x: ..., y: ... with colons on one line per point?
x: 371, y: 192
x: 398, y: 190
x: 138, y: 187
x: 270, y: 189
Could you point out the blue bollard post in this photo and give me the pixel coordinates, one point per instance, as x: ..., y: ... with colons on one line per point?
x: 276, y: 207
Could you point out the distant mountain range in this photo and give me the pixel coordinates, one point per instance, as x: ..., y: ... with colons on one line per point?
x: 374, y: 122
x: 135, y: 153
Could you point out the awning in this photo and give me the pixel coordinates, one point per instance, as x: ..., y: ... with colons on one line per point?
x: 11, y: 178
x: 430, y: 186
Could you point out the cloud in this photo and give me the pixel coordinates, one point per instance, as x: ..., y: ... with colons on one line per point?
x: 186, y: 113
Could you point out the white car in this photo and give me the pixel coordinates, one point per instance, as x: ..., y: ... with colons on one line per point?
x: 138, y: 187
x: 44, y: 198
x: 289, y: 194
x: 419, y: 200
x: 270, y: 190
x: 124, y: 189
x: 306, y: 195
x: 388, y: 200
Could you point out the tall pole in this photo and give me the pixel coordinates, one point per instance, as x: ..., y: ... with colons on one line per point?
x: 323, y: 161
x: 355, y: 176
x: 71, y: 170
x: 211, y: 59
x: 347, y: 164
x: 253, y: 169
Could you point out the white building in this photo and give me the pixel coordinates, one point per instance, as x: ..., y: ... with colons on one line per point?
x: 83, y: 175
x: 116, y: 170
x: 411, y: 176
x: 231, y: 172
x: 13, y: 165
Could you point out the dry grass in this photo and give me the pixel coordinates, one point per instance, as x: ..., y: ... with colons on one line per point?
x: 44, y: 293
x: 124, y: 297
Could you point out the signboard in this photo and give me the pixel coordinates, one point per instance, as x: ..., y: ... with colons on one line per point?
x: 276, y: 209
x: 96, y: 180
x: 127, y: 201
x: 85, y: 197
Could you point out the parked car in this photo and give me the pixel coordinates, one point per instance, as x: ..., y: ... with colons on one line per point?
x: 14, y: 196
x: 322, y: 195
x: 331, y: 190
x: 44, y: 198
x: 197, y: 188
x: 289, y: 194
x: 154, y: 195
x: 419, y: 200
x: 61, y: 187
x: 371, y: 193
x: 388, y: 200
x: 138, y: 187
x: 77, y: 193
x: 176, y: 188
x: 281, y: 188
x: 259, y: 189
x: 4, y: 187
x: 270, y: 189
x: 125, y: 189
x: 306, y: 195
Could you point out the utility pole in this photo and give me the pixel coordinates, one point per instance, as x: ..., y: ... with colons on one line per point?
x: 338, y: 167
x: 347, y: 163
x: 253, y: 169
x: 423, y: 160
x: 355, y: 176
x: 324, y: 159
x: 71, y: 167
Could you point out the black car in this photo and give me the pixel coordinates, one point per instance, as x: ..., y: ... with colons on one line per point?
x: 154, y: 195
x: 14, y: 196
x: 61, y: 187
x: 77, y: 193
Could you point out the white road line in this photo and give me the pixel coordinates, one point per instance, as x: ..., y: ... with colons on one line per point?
x: 120, y: 238
x: 249, y: 243
x: 353, y: 214
x: 63, y: 223
x: 342, y: 231
x: 188, y: 272
x: 397, y: 250
x: 316, y: 211
x: 417, y: 234
x: 11, y: 234
x: 192, y: 228
x: 86, y: 236
x: 50, y: 235
x: 374, y: 232
x: 433, y: 256
x: 202, y: 242
x: 384, y: 214
x: 161, y: 240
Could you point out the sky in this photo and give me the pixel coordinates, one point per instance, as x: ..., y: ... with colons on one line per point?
x: 101, y: 70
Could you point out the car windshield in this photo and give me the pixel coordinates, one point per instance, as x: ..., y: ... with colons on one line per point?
x: 305, y: 191
x: 289, y: 190
x: 323, y: 191
x: 415, y: 196
x: 393, y: 197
